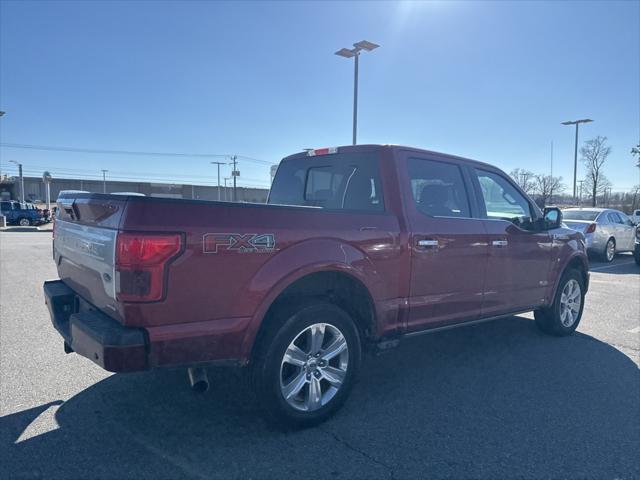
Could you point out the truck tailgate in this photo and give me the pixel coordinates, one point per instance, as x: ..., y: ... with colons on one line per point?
x: 84, y: 248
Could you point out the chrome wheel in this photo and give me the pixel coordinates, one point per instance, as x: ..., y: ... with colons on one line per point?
x: 24, y: 222
x: 611, y: 250
x: 570, y: 301
x: 314, y: 367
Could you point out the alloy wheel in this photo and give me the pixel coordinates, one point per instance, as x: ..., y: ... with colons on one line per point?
x: 611, y: 250
x: 570, y: 301
x: 314, y: 367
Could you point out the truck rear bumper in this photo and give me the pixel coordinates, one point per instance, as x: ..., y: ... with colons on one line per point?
x: 93, y: 334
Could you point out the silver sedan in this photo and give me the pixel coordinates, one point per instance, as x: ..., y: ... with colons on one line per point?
x: 606, y: 231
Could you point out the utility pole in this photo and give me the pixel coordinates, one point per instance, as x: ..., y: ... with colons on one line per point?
x: 235, y: 174
x: 575, y: 150
x: 218, y: 164
x: 104, y: 181
x: 21, y: 180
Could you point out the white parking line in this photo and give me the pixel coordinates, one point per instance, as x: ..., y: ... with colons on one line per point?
x: 635, y: 330
x: 610, y: 266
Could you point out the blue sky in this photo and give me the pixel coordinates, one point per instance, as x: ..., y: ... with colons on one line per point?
x: 486, y: 80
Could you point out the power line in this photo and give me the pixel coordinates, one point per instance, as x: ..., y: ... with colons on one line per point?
x: 128, y: 152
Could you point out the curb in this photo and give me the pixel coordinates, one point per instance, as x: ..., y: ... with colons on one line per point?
x: 25, y: 229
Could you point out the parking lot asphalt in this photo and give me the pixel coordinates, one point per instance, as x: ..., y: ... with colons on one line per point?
x: 496, y: 400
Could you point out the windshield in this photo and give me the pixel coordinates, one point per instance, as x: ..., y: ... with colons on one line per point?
x: 586, y: 215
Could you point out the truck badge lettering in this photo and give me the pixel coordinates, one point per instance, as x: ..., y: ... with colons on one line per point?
x: 238, y: 242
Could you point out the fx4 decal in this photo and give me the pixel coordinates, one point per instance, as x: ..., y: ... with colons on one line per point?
x: 238, y: 242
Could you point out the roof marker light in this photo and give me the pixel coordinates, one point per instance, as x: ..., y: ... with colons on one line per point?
x: 321, y: 151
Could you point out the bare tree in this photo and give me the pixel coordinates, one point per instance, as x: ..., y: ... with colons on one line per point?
x: 594, y: 153
x: 546, y: 186
x: 524, y: 178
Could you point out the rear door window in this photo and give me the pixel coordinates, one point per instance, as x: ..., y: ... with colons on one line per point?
x: 438, y: 188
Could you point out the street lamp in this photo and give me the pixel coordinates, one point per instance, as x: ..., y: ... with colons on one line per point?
x: 575, y: 150
x: 104, y: 181
x: 21, y: 180
x: 355, y: 52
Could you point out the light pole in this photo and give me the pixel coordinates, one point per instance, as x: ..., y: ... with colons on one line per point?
x: 355, y: 52
x: 104, y: 181
x: 21, y: 180
x: 575, y: 150
x: 218, y: 164
x: 46, y: 178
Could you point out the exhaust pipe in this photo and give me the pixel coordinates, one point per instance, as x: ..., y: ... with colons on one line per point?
x: 198, y: 379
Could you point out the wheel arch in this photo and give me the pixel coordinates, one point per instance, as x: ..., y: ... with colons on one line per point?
x: 337, y: 284
x: 576, y: 262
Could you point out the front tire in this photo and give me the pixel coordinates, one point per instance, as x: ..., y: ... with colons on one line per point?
x: 305, y: 369
x: 564, y: 315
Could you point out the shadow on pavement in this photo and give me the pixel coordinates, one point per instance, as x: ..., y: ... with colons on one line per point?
x: 497, y: 400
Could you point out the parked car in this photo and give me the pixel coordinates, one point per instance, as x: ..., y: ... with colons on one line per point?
x: 606, y: 231
x: 635, y: 217
x: 21, y: 214
x: 357, y: 248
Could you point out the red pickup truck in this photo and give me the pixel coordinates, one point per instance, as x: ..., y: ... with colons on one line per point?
x: 356, y: 248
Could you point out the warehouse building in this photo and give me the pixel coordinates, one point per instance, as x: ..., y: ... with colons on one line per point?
x: 35, y: 189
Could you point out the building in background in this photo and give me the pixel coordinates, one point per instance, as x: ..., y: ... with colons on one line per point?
x: 35, y: 189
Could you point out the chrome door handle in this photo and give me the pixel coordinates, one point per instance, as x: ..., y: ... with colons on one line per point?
x: 427, y: 243
x: 499, y: 243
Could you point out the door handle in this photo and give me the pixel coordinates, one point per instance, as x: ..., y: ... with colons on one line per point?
x: 368, y: 229
x: 427, y: 243
x: 499, y: 243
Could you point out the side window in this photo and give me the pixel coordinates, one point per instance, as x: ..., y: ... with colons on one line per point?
x: 503, y: 201
x: 438, y: 188
x: 5, y: 206
x: 613, y: 218
x: 626, y: 220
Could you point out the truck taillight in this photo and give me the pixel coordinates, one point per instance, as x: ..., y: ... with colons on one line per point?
x: 591, y: 228
x: 141, y: 261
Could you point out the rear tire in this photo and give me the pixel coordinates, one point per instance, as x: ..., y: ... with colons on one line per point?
x: 609, y: 251
x: 24, y: 222
x: 304, y: 369
x: 564, y: 314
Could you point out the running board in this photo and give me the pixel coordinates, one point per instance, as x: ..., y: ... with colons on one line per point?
x: 390, y: 343
x: 464, y: 324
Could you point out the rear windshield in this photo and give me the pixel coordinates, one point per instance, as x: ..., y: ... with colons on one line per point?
x: 349, y: 181
x: 588, y: 215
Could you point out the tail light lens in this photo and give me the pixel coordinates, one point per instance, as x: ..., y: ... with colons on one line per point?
x: 141, y: 262
x: 591, y: 228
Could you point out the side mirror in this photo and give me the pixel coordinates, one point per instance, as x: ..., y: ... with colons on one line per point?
x: 552, y: 218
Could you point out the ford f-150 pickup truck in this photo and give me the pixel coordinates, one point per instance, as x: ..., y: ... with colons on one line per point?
x: 356, y: 248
